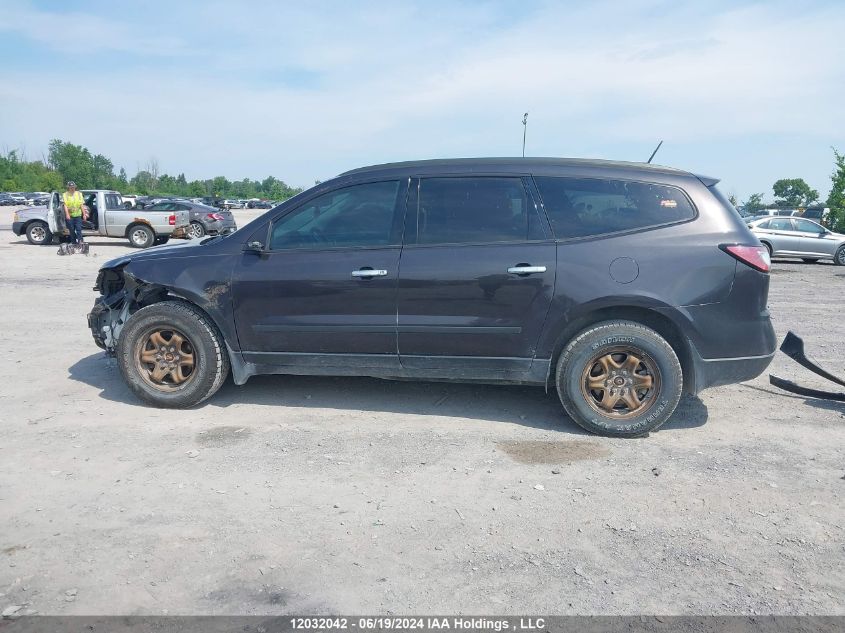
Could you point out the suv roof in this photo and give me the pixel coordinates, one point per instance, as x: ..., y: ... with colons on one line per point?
x: 517, y: 164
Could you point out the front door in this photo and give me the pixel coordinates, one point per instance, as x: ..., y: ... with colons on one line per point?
x: 322, y: 293
x: 56, y: 214
x: 814, y: 238
x: 476, y: 278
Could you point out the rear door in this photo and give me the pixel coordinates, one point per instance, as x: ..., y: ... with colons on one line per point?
x: 783, y: 236
x: 476, y: 277
x: 322, y: 293
x: 112, y: 206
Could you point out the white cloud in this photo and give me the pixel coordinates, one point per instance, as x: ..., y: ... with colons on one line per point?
x: 304, y: 92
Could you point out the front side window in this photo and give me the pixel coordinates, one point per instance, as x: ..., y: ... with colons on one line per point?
x: 808, y: 227
x: 583, y: 207
x: 360, y: 215
x: 471, y: 210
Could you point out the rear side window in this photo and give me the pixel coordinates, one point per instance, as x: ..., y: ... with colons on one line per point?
x: 781, y: 224
x: 582, y: 207
x: 472, y: 210
x: 113, y: 201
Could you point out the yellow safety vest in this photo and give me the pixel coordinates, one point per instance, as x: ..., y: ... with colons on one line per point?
x: 73, y: 202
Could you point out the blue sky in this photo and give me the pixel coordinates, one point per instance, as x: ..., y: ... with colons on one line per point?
x: 747, y: 92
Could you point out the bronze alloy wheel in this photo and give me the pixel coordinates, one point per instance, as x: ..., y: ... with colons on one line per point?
x: 621, y: 382
x: 165, y: 358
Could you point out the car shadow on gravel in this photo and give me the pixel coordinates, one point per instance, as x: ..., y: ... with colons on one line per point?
x: 525, y: 406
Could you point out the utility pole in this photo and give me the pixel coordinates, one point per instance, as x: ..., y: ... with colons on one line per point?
x: 524, y: 131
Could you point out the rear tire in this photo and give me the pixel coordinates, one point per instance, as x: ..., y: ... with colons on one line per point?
x: 619, y: 378
x: 141, y: 236
x: 39, y: 234
x: 196, y: 230
x: 839, y: 258
x: 202, y: 341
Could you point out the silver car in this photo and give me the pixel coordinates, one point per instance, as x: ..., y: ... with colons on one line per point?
x: 799, y: 237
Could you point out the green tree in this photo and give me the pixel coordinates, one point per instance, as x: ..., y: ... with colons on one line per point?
x: 794, y: 192
x: 142, y: 182
x: 121, y: 183
x: 753, y: 204
x: 102, y: 172
x: 836, y: 199
x: 73, y: 162
x: 196, y: 188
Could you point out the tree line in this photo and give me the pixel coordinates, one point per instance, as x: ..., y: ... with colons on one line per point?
x: 66, y: 161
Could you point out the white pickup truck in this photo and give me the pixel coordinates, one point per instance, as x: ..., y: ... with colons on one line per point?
x: 107, y: 217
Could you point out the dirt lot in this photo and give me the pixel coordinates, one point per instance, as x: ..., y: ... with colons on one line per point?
x: 297, y: 494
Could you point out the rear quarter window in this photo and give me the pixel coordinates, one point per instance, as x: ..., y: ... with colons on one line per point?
x: 584, y: 207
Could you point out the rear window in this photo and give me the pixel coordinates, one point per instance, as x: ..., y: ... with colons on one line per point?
x: 583, y: 207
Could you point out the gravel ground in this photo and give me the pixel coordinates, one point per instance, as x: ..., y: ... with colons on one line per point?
x: 300, y: 494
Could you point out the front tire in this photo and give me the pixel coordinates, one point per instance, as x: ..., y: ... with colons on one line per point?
x: 839, y: 258
x: 171, y: 355
x: 141, y: 236
x: 619, y: 378
x: 39, y: 234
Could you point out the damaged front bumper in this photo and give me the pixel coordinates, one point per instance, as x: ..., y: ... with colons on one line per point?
x: 793, y: 346
x: 106, y: 319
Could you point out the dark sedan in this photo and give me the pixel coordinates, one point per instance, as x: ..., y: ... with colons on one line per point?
x: 204, y: 220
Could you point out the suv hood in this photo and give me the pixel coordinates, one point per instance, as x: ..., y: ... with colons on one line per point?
x: 182, y: 248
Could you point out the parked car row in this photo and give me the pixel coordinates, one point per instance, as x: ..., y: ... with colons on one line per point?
x: 109, y: 216
x: 30, y: 198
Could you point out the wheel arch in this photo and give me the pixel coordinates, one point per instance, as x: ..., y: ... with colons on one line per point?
x: 135, y: 222
x: 657, y: 321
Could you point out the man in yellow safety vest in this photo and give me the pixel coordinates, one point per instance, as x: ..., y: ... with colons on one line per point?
x: 75, y: 212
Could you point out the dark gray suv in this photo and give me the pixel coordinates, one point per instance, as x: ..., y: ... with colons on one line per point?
x: 621, y: 285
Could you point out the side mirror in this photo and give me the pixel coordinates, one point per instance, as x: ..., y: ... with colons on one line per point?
x: 254, y: 247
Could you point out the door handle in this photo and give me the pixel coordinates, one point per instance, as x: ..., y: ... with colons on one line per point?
x: 369, y: 272
x: 526, y: 270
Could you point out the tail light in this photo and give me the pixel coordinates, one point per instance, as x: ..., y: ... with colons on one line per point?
x: 172, y: 219
x: 755, y: 256
x: 216, y: 216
